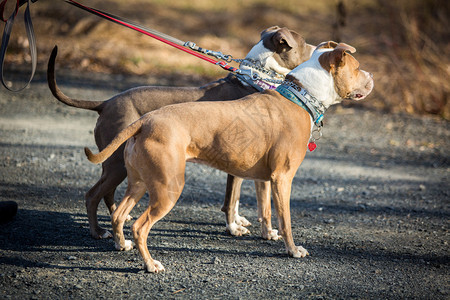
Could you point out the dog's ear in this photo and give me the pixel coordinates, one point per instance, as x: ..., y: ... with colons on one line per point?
x: 345, y: 47
x: 270, y: 29
x: 283, y: 40
x: 325, y: 45
x: 339, y: 53
x: 278, y: 40
x: 334, y: 59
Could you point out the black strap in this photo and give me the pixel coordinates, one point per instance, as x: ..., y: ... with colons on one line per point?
x: 7, y: 33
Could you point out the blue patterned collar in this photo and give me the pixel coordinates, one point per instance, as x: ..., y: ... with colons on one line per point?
x: 302, y: 98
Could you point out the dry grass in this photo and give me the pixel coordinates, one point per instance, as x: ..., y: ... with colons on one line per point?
x: 412, y: 66
x: 403, y: 42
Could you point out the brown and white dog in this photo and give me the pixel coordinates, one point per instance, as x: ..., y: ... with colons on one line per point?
x: 275, y: 130
x: 279, y: 49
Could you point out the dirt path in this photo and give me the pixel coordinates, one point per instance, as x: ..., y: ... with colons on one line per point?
x: 371, y: 205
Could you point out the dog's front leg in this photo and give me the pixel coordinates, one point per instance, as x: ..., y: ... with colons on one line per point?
x: 235, y: 222
x: 265, y: 211
x: 281, y: 192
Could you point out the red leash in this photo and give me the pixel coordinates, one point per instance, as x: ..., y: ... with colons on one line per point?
x: 152, y: 33
x: 187, y: 47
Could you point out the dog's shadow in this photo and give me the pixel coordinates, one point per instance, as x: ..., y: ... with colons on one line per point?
x: 48, y: 239
x: 40, y: 230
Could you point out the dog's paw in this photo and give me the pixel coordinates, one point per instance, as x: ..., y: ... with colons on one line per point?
x: 129, y: 218
x: 106, y: 235
x: 126, y: 247
x: 100, y: 233
x: 153, y: 266
x: 242, y: 221
x: 237, y: 230
x: 271, y: 234
x: 298, y: 252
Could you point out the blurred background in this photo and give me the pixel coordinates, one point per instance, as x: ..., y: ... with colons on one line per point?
x: 404, y: 43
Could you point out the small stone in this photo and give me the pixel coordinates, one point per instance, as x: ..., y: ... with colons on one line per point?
x: 361, y: 207
x: 71, y: 258
x: 442, y: 291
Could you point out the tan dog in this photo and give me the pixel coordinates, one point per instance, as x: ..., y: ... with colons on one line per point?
x: 279, y: 49
x: 274, y: 135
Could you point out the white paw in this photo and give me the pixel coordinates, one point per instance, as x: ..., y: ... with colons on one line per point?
x: 301, y: 252
x: 237, y: 230
x: 127, y: 247
x: 272, y: 234
x: 129, y: 218
x: 242, y: 221
x: 106, y: 235
x: 153, y: 266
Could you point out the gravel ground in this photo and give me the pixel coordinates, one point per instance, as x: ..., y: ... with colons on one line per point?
x: 371, y: 205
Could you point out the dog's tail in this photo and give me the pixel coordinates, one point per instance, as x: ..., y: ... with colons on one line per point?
x: 85, y: 104
x: 119, y: 139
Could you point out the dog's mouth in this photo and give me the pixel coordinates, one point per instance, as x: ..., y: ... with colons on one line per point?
x: 360, y: 94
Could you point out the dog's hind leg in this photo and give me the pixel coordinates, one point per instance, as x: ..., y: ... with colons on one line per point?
x: 109, y: 201
x: 162, y: 200
x: 135, y: 190
x: 112, y: 176
x: 164, y: 178
x: 234, y: 222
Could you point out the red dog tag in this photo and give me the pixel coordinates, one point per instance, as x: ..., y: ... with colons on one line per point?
x: 312, y: 146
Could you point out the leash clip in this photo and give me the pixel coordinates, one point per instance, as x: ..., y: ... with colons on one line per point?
x: 191, y: 45
x: 216, y: 54
x: 219, y: 55
x: 316, y: 134
x: 223, y: 64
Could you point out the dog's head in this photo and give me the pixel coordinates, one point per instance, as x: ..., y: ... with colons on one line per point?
x: 280, y: 49
x: 349, y: 80
x: 333, y: 74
